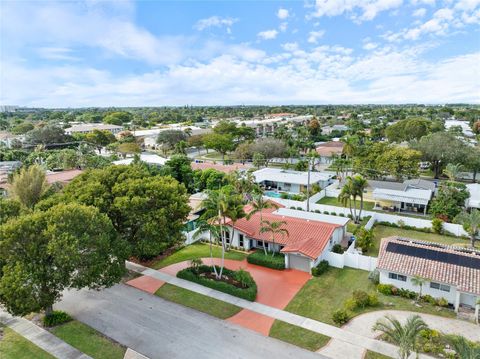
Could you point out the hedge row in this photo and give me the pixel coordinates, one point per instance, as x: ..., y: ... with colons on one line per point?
x: 259, y: 258
x: 249, y: 293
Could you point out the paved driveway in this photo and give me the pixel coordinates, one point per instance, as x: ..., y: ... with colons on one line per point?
x: 162, y: 329
x: 276, y: 288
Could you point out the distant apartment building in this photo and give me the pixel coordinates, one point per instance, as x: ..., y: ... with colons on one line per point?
x: 90, y: 127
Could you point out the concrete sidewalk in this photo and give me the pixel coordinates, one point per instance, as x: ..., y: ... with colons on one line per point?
x: 351, y: 339
x: 41, y: 337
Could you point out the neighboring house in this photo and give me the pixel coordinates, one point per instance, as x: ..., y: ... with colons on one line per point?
x: 450, y: 272
x: 310, y: 235
x: 328, y: 149
x: 410, y: 196
x: 8, y: 139
x: 7, y: 167
x: 291, y: 181
x: 90, y: 127
x: 474, y: 200
x: 219, y: 167
x: 196, y: 204
x: 63, y: 177
x: 148, y: 158
x: 327, y: 130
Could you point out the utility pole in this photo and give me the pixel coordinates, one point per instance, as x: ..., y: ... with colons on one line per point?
x: 308, y: 186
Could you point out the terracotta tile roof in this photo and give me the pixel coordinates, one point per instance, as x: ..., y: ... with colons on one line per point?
x: 327, y: 148
x: 464, y: 278
x: 220, y: 167
x: 307, y: 237
x: 64, y: 176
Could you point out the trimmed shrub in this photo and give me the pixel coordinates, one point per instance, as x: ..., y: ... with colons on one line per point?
x: 321, y: 268
x: 350, y: 216
x: 374, y: 276
x: 326, y: 212
x: 361, y: 298
x: 300, y: 208
x: 340, y: 316
x: 337, y: 248
x: 386, y: 289
x: 373, y: 300
x: 405, y: 293
x: 428, y: 299
x: 57, y: 317
x: 442, y: 302
x: 248, y: 293
x: 317, y: 211
x: 342, y: 214
x: 437, y: 225
x: 275, y: 262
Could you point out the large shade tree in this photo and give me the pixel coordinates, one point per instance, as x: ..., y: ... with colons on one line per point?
x: 44, y: 253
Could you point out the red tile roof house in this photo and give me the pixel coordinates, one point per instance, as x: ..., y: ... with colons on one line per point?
x: 310, y: 235
x: 328, y: 149
x: 450, y: 272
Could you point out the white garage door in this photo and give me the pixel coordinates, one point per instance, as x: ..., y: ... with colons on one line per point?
x: 300, y: 263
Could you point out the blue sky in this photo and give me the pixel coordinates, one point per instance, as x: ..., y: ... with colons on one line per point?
x: 156, y: 53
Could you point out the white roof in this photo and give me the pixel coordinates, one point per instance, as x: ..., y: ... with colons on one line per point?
x: 411, y: 195
x: 147, y: 158
x: 474, y: 200
x: 288, y: 176
x: 92, y: 126
x: 312, y: 216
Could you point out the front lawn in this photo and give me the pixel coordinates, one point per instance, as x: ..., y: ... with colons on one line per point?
x: 380, y: 231
x: 88, y: 340
x: 321, y: 296
x: 333, y: 201
x: 14, y: 346
x: 372, y: 355
x: 200, y: 302
x: 298, y: 336
x: 197, y: 250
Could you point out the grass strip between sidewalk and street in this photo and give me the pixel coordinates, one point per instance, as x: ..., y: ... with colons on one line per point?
x: 88, y: 340
x: 298, y: 336
x: 200, y: 302
x: 14, y: 346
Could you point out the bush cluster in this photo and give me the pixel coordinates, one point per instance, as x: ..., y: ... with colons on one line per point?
x: 248, y: 293
x: 321, y: 268
x: 389, y: 289
x: 340, y: 316
x: 259, y: 258
x: 358, y: 301
x: 57, y: 317
x: 337, y: 248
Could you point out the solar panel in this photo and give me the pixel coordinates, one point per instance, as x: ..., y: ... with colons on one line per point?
x: 437, y: 256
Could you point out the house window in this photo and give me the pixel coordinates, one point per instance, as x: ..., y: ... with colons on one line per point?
x: 227, y: 236
x: 396, y: 276
x: 240, y: 240
x: 438, y: 286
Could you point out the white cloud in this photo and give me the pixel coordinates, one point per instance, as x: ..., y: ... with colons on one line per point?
x: 283, y: 26
x: 282, y: 14
x: 313, y: 36
x: 268, y: 34
x: 57, y: 53
x: 370, y: 46
x: 215, y: 21
x: 369, y: 8
x: 422, y: 2
x: 419, y: 12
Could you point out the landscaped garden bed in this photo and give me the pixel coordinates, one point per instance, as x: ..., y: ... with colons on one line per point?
x: 276, y: 261
x: 237, y: 283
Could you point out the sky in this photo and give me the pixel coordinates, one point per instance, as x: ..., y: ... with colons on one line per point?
x: 176, y: 53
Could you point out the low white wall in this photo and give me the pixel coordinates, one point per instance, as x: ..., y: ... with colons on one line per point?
x: 351, y: 259
x: 189, y: 236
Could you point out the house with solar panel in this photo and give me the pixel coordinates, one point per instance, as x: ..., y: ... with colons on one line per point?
x: 310, y: 235
x: 450, y: 272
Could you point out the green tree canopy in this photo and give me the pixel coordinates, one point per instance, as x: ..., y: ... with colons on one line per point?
x: 118, y: 118
x: 29, y: 185
x: 449, y: 200
x: 409, y: 129
x: 44, y: 253
x: 221, y: 143
x: 46, y: 135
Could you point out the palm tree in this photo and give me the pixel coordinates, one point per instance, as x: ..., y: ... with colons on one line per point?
x: 359, y: 185
x: 274, y: 228
x: 463, y: 348
x: 353, y: 188
x: 235, y: 212
x: 350, y: 144
x: 471, y: 223
x: 452, y: 171
x: 213, y: 234
x: 258, y: 205
x: 345, y: 196
x: 405, y: 336
x: 180, y: 148
x: 419, y: 282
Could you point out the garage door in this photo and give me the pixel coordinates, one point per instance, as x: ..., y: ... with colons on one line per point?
x: 300, y: 263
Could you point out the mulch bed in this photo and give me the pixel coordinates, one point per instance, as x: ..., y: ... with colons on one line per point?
x: 224, y: 278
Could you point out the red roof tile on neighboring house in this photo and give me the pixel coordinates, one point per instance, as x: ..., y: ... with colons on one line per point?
x: 307, y: 237
x: 326, y: 149
x: 465, y: 278
x: 64, y: 176
x: 220, y: 167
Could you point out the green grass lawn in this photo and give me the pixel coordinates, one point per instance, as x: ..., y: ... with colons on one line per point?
x: 333, y: 201
x: 88, y: 340
x: 200, y: 302
x: 197, y: 250
x: 381, y: 231
x: 298, y: 336
x: 372, y: 355
x: 215, y: 156
x: 14, y: 346
x: 321, y: 296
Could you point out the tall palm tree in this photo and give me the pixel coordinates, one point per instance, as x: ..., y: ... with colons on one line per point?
x: 464, y: 348
x: 405, y: 336
x: 452, y: 171
x: 345, y: 196
x: 213, y: 235
x: 235, y: 212
x: 471, y: 224
x: 274, y: 228
x: 353, y: 188
x: 350, y: 144
x: 359, y: 185
x: 419, y: 282
x: 258, y: 205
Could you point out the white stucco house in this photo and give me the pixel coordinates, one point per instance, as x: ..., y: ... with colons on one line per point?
x: 474, y: 200
x: 148, y: 158
x: 450, y: 272
x: 90, y: 127
x: 310, y: 235
x: 291, y: 181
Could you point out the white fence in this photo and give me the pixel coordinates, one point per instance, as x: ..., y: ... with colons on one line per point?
x: 189, y: 239
x: 351, y: 258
